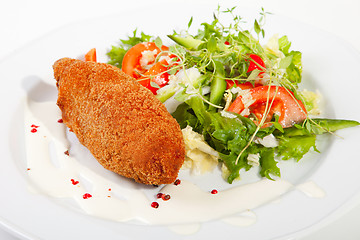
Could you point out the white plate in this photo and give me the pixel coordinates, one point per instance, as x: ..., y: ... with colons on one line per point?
x: 329, y: 65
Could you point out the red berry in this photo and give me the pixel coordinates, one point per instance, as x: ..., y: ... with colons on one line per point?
x: 214, y: 191
x: 154, y: 205
x: 159, y: 195
x: 74, y: 182
x: 177, y: 182
x: 87, y: 196
x: 165, y: 197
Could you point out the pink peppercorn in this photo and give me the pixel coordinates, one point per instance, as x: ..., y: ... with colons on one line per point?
x: 177, y: 182
x: 154, y: 205
x: 165, y: 197
x: 214, y: 191
x: 159, y: 195
x: 87, y: 196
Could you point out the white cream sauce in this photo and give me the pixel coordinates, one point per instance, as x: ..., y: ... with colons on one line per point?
x: 185, y: 229
x: 311, y: 189
x: 244, y: 219
x: 51, y: 171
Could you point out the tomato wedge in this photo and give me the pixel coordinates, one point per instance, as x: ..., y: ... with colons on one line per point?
x: 90, y: 56
x: 139, y: 57
x: 284, y: 104
x: 256, y: 62
x: 243, y: 86
x: 157, y: 74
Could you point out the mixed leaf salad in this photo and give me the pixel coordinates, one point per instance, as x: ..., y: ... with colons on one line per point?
x: 241, y: 96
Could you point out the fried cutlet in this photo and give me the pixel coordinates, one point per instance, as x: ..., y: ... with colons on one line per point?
x: 126, y: 128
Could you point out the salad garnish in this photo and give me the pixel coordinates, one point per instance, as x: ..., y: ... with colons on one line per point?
x: 242, y: 96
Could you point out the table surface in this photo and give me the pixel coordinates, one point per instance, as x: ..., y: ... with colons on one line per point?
x: 23, y: 21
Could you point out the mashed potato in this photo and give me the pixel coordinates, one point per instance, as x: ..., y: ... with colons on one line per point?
x: 200, y: 157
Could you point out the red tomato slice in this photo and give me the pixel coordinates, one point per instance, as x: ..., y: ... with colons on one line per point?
x: 243, y: 86
x: 131, y: 64
x: 90, y: 56
x: 237, y: 106
x: 256, y: 62
x: 289, y: 109
x: 157, y: 74
x: 146, y: 83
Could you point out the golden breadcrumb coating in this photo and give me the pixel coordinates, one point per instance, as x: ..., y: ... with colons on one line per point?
x: 126, y: 128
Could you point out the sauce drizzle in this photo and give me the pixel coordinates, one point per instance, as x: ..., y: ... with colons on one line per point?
x: 188, y: 204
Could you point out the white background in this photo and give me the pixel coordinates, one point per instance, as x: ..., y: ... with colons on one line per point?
x: 23, y: 21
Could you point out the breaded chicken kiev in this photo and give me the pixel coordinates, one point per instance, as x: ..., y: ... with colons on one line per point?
x: 126, y: 128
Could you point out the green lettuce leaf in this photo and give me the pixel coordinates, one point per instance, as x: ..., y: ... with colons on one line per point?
x: 294, y: 68
x: 295, y: 147
x: 323, y: 125
x: 268, y: 163
x: 228, y: 136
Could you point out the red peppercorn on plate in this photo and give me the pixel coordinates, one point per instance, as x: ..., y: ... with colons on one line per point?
x: 53, y: 188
